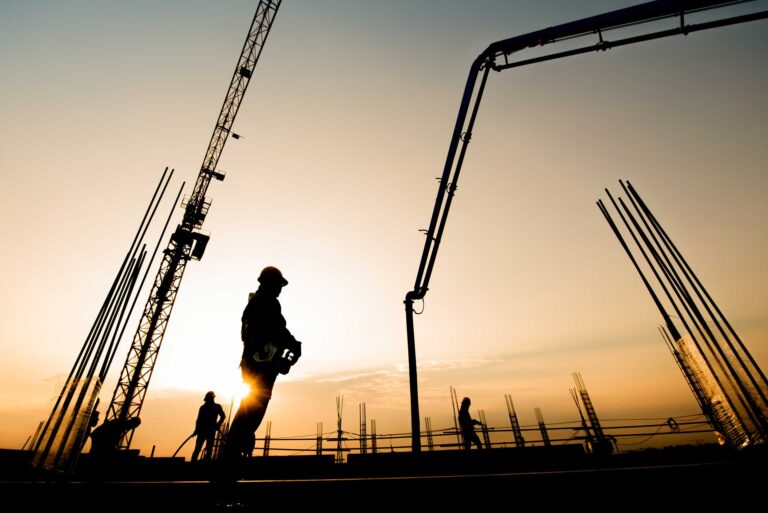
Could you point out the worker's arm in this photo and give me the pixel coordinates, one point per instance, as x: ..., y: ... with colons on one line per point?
x: 280, y: 333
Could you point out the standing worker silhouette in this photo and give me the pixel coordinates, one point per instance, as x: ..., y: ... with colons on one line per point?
x: 467, y: 424
x: 209, y: 420
x: 269, y: 349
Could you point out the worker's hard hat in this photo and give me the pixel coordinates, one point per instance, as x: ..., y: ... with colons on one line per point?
x: 210, y: 395
x: 272, y: 275
x: 465, y: 400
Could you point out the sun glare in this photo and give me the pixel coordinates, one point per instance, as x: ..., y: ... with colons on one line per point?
x: 231, y: 391
x: 228, y: 387
x: 240, y: 391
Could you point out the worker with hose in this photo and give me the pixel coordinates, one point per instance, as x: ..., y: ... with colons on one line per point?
x: 209, y: 420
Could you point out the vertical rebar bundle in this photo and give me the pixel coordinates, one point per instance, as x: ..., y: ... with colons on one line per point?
x: 709, y: 395
x: 430, y: 438
x: 519, y: 440
x: 267, y: 438
x: 542, y: 427
x: 64, y: 434
x: 455, y: 406
x: 339, y: 432
x: 484, y: 429
x: 319, y: 443
x: 728, y: 384
x: 33, y: 440
x: 601, y: 444
x: 223, y: 431
x: 363, y: 423
x: 373, y: 436
x: 589, y: 441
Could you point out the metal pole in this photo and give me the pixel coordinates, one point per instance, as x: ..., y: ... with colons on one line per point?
x: 587, y: 433
x: 77, y: 380
x: 85, y: 385
x: 412, y: 376
x: 671, y: 327
x: 87, y: 347
x: 684, y: 264
x: 72, y: 373
x: 699, y: 289
x: 454, y: 406
x: 690, y: 378
x: 758, y: 416
x: 725, y: 365
x: 113, y: 345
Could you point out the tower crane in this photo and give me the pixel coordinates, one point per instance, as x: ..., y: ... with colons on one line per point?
x: 497, y: 57
x: 187, y: 242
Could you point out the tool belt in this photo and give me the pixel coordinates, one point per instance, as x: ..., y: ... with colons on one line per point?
x: 282, y: 356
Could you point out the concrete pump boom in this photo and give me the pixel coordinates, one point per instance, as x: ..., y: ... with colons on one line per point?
x: 497, y: 57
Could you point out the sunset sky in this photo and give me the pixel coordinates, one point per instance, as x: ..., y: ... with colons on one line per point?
x: 345, y: 126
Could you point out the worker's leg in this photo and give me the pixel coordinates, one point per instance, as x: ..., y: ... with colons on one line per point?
x: 246, y: 422
x: 198, y: 445
x: 251, y: 411
x: 476, y: 440
x: 466, y: 439
x: 209, y: 445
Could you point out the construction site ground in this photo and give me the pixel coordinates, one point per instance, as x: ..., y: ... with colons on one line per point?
x: 676, y: 477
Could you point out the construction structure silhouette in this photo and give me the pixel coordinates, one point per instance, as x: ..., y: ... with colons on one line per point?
x: 497, y: 57
x: 187, y: 242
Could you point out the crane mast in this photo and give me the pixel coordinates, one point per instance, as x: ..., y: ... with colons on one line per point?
x: 187, y: 242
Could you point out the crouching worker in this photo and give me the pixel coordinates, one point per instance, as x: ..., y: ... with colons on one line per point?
x: 269, y: 349
x: 105, y: 438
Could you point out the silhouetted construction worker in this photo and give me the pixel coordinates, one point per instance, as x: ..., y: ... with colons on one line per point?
x: 269, y: 349
x: 467, y: 425
x: 209, y: 420
x: 106, y: 437
x: 93, y: 421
